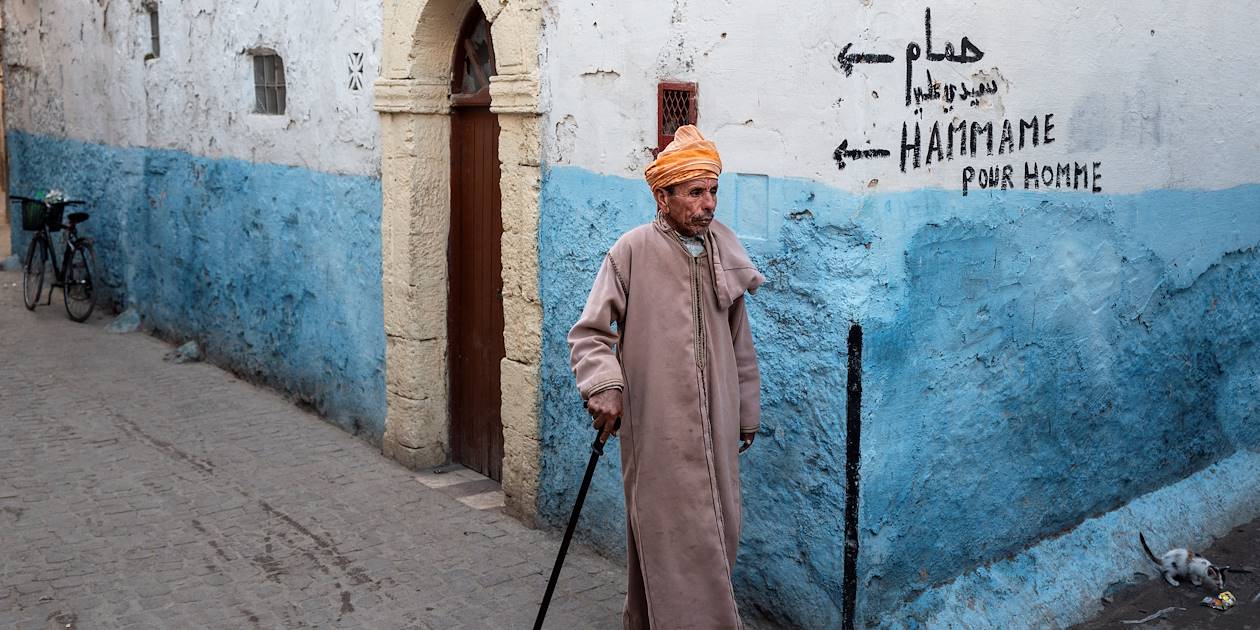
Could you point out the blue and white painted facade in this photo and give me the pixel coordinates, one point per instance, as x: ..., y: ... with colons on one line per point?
x: 1047, y: 368
x: 257, y: 235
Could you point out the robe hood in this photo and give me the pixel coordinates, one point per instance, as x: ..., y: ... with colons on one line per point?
x: 733, y: 271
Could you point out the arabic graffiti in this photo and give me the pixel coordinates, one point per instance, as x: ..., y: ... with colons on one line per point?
x: 969, y: 53
x: 924, y: 145
x: 951, y: 93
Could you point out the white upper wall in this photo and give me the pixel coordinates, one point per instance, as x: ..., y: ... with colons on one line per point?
x: 1158, y: 92
x: 78, y: 70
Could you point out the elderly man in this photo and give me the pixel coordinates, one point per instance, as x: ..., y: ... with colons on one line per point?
x: 680, y: 371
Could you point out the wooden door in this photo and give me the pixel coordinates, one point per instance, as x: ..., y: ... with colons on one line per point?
x: 475, y: 311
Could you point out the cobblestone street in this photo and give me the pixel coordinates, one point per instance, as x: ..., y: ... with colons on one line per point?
x: 138, y: 493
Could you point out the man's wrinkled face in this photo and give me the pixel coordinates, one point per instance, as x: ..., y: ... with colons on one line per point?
x: 690, y: 206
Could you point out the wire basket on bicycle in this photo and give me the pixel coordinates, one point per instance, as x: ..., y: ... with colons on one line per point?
x: 37, y: 214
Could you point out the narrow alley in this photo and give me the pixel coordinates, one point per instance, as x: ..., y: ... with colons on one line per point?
x: 140, y: 493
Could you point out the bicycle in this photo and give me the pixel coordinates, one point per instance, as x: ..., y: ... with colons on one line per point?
x: 75, y: 274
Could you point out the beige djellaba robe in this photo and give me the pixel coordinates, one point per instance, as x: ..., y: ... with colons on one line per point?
x: 682, y: 352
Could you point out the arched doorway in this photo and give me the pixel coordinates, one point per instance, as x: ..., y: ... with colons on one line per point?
x: 418, y: 110
x: 475, y: 302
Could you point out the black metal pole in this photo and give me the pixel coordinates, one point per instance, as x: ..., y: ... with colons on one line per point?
x: 597, y: 449
x: 853, y: 474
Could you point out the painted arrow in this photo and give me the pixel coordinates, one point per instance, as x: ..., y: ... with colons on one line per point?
x: 843, y: 151
x: 846, y: 60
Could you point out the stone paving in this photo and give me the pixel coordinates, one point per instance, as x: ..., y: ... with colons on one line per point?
x: 136, y: 493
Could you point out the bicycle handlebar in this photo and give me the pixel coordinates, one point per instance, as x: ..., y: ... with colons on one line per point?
x: 55, y: 203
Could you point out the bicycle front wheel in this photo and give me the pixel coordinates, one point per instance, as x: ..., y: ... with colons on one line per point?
x: 79, y: 290
x: 33, y: 267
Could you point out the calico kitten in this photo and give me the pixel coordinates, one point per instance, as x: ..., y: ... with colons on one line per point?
x: 1183, y: 563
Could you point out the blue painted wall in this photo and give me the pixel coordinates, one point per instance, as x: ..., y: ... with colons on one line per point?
x: 1031, y: 360
x: 276, y: 270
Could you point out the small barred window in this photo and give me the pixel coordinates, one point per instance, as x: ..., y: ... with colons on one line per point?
x: 676, y: 106
x: 155, y: 40
x: 269, y: 89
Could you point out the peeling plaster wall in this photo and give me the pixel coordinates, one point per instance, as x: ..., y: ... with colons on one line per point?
x: 1035, y: 357
x: 257, y: 235
x: 78, y: 69
x: 102, y: 94
x: 771, y: 85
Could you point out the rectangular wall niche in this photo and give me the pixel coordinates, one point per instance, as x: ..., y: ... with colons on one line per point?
x: 675, y: 106
x: 752, y: 206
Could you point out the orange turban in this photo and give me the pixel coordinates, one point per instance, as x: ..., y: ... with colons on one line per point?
x: 688, y: 157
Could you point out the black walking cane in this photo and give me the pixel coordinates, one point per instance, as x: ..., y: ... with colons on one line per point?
x: 597, y: 449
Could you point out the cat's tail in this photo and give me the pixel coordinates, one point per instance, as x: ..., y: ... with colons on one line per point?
x: 1149, y: 553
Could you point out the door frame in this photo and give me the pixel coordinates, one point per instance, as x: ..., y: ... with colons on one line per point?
x: 6, y: 227
x: 413, y: 98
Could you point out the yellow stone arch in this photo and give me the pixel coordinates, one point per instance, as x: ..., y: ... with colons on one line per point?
x: 412, y: 96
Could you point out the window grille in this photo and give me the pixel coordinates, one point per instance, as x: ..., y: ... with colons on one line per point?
x: 269, y: 87
x: 676, y: 106
x: 155, y: 40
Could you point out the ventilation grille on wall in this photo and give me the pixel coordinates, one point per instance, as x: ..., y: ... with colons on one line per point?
x: 676, y: 106
x: 356, y: 71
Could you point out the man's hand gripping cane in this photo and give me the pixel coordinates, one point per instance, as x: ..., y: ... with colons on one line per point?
x: 605, y: 410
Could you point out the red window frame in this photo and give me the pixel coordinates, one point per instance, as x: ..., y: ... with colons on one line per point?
x: 693, y: 110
